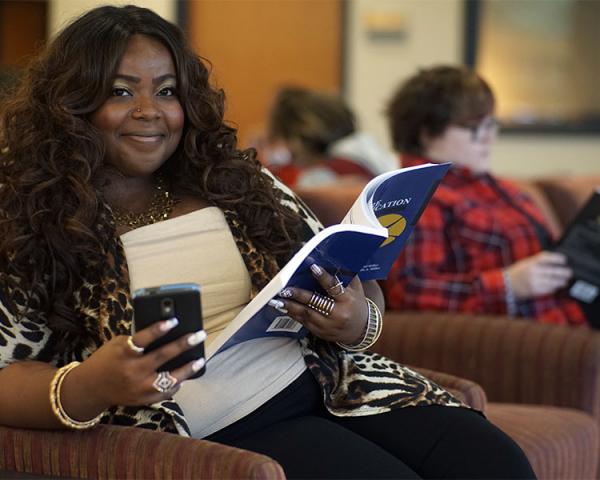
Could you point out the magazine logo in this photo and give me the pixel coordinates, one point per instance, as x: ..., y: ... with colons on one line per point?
x: 395, y: 225
x: 401, y: 202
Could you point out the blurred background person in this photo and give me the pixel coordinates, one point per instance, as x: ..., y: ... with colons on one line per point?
x: 481, y: 245
x: 313, y: 140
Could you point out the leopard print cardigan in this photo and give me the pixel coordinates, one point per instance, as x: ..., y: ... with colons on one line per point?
x: 353, y: 384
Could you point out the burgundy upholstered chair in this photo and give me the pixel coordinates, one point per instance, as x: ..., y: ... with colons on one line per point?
x: 542, y: 382
x: 110, y: 452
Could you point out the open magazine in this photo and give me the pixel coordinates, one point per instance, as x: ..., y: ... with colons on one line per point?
x: 366, y: 243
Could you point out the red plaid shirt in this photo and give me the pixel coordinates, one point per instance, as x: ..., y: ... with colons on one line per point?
x: 467, y: 234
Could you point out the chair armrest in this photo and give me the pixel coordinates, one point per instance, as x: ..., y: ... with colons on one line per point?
x: 465, y: 390
x: 108, y: 452
x: 515, y: 361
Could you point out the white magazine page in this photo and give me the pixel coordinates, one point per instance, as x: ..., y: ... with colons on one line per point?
x: 361, y: 212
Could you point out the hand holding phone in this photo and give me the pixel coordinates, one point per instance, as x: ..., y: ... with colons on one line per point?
x: 182, y: 301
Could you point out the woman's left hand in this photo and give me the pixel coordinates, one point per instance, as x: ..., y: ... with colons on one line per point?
x: 348, y: 319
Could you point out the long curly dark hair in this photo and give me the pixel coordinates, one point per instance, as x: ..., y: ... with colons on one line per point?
x: 51, y: 221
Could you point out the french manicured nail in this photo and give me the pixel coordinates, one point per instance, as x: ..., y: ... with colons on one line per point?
x: 169, y: 324
x: 198, y: 364
x: 316, y: 270
x: 286, y: 293
x: 278, y: 305
x: 196, y: 338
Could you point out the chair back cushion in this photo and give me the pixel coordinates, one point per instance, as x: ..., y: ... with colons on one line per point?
x: 567, y: 194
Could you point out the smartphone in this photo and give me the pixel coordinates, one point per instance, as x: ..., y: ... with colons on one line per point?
x: 181, y: 300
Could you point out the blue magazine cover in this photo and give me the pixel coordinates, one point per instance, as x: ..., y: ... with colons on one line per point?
x: 366, y: 243
x: 395, y: 200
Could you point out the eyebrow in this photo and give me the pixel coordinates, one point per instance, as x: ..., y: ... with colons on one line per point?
x: 155, y: 81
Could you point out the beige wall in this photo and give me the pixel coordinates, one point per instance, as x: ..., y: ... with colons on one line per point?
x: 531, y: 155
x: 62, y: 11
x: 374, y: 67
x: 432, y: 34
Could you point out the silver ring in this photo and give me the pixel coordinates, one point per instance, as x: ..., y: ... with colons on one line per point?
x: 133, y: 346
x: 164, y: 382
x: 322, y: 304
x: 336, y: 289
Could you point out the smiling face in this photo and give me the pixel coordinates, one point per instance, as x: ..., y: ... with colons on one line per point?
x: 142, y: 121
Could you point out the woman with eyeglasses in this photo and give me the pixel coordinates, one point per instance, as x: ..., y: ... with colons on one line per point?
x: 480, y: 245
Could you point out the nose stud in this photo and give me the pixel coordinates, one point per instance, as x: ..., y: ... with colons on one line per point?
x: 138, y: 109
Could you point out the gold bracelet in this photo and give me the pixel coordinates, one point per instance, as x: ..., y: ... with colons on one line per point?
x: 372, y: 332
x: 56, y: 404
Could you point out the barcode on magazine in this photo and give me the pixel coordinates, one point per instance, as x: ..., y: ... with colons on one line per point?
x: 284, y: 324
x: 584, y: 291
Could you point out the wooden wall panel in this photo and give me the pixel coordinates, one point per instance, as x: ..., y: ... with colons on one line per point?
x: 257, y: 46
x: 22, y: 30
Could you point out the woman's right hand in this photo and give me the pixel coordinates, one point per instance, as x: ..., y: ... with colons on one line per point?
x: 539, y: 275
x: 115, y: 374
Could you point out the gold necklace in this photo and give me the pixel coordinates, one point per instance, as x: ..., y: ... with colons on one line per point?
x: 160, y: 208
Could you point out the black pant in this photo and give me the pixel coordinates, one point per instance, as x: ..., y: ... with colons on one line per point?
x: 295, y: 429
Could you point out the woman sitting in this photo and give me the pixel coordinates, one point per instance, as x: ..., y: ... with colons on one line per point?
x: 481, y: 245
x: 118, y: 173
